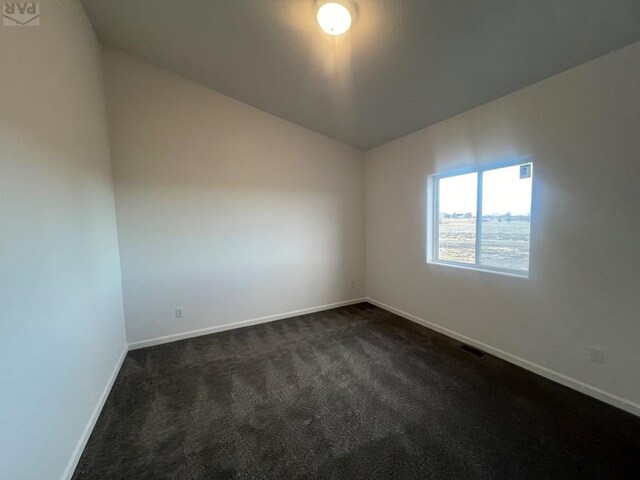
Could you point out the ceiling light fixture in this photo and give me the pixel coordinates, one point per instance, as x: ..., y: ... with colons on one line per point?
x: 334, y: 18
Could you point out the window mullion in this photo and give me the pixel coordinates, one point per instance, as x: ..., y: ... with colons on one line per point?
x: 479, y: 219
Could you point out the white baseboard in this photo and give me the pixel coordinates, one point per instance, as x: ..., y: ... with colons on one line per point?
x: 243, y: 323
x: 86, y: 433
x: 595, y: 392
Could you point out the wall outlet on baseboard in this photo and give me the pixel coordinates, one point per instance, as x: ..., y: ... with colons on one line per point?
x: 595, y: 354
x: 179, y: 312
x: 353, y: 284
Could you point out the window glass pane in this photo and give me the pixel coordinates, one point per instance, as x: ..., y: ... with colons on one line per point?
x: 506, y: 217
x: 457, y: 223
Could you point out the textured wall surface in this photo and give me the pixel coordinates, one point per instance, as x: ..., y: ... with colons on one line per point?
x: 61, y: 315
x: 224, y: 210
x: 581, y: 129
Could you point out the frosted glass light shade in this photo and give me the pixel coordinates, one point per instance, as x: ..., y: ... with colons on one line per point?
x: 334, y: 18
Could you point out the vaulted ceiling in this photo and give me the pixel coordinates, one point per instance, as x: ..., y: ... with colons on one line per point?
x: 404, y: 64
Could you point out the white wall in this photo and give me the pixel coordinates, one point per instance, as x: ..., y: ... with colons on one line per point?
x: 582, y: 128
x: 61, y: 317
x: 224, y: 210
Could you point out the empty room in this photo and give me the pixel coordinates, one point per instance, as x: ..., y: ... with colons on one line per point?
x: 311, y: 239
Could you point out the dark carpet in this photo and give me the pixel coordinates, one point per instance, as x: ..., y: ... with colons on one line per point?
x: 354, y: 392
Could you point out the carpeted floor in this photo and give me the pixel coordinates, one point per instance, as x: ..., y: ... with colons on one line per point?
x: 354, y: 392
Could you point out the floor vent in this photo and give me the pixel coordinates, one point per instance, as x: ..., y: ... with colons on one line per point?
x: 471, y: 350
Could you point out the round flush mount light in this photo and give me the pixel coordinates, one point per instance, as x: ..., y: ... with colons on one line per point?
x: 334, y: 18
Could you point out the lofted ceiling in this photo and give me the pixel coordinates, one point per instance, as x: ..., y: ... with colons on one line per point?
x: 404, y: 64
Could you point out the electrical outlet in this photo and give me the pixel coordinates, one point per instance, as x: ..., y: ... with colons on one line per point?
x: 595, y: 354
x: 179, y: 312
x: 353, y: 284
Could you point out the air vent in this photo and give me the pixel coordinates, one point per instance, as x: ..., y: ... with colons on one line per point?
x: 472, y: 351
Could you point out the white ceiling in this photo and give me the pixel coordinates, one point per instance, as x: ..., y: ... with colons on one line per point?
x: 404, y: 64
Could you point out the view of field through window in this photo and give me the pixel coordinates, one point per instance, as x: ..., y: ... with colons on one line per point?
x: 506, y: 218
x: 457, y: 226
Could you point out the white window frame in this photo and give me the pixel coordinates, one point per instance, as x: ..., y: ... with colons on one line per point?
x: 433, y: 216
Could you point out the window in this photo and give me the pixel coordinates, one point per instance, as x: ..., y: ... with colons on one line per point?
x: 481, y: 217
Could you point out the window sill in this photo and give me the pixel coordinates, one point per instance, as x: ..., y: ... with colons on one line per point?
x: 482, y: 269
